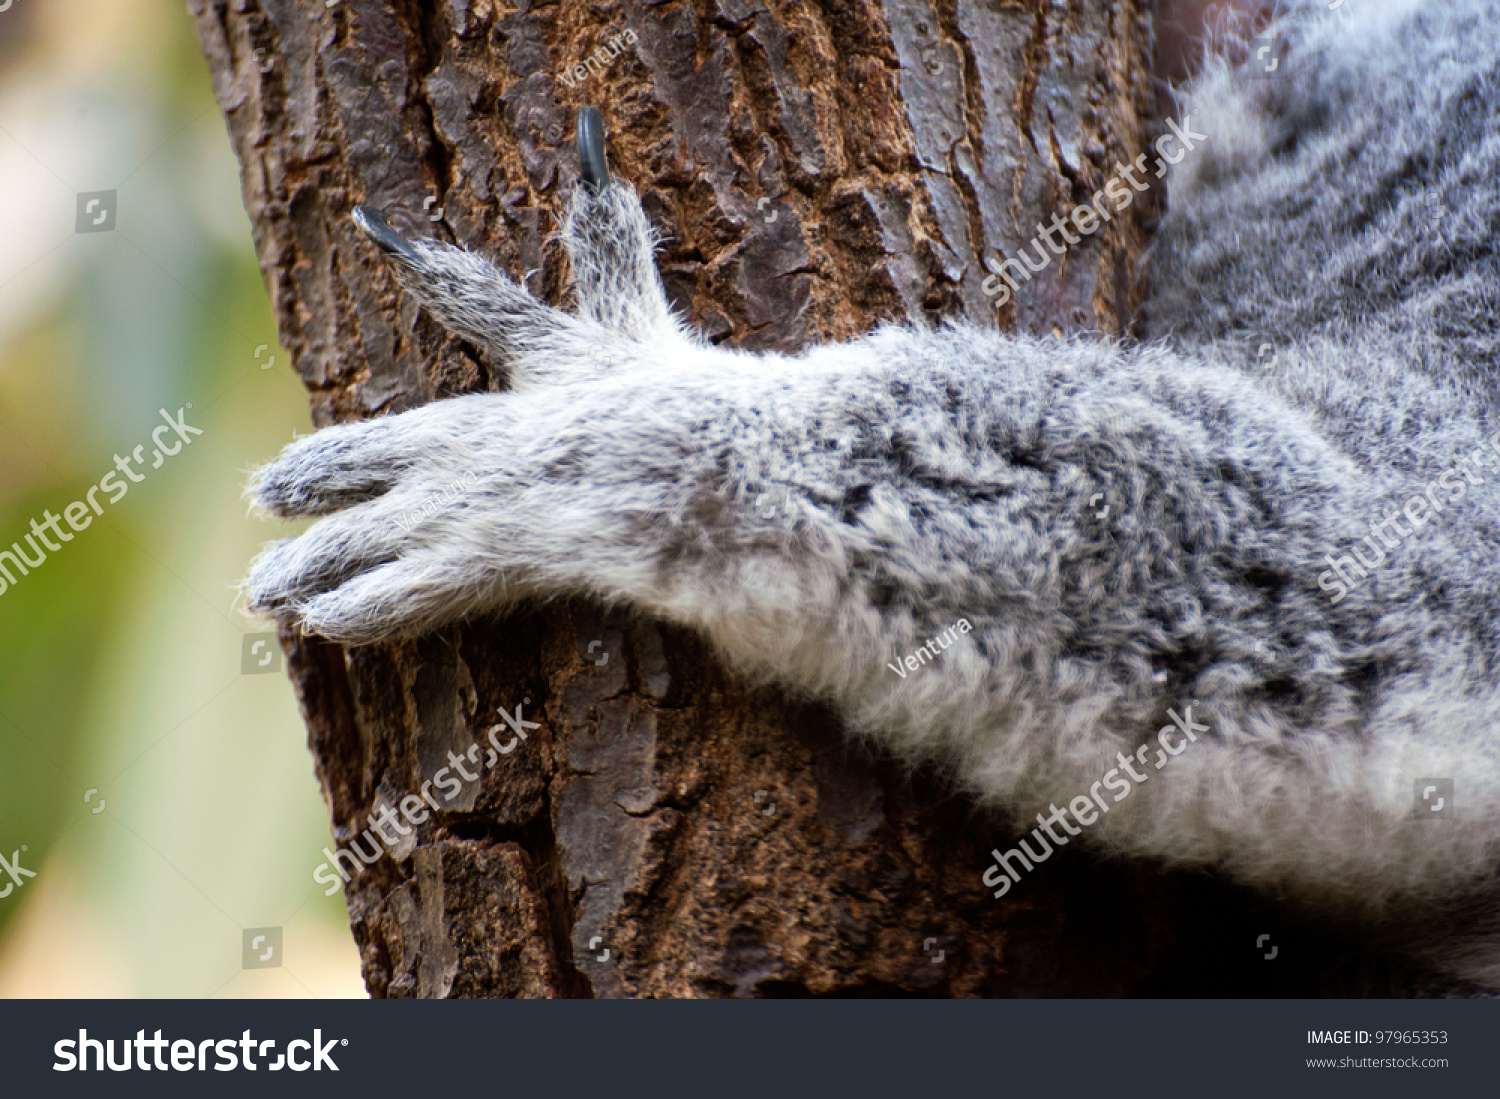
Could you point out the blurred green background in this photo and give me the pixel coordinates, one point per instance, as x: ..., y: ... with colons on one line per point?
x: 164, y: 798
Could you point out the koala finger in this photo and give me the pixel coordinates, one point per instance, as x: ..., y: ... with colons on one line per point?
x: 472, y: 298
x: 289, y: 573
x: 611, y: 247
x: 349, y: 464
x: 419, y: 593
x: 611, y: 244
x: 332, y: 470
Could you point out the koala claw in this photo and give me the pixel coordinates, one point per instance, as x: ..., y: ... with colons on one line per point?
x: 392, y: 243
x: 593, y: 165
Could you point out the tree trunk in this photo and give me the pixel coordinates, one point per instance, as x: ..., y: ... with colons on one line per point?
x: 814, y: 169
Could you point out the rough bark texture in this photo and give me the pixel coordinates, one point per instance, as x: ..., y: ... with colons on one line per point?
x: 814, y: 168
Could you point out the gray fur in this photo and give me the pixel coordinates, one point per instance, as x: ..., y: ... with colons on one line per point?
x: 1129, y: 529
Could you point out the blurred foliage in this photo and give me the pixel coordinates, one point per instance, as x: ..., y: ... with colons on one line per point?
x: 120, y: 656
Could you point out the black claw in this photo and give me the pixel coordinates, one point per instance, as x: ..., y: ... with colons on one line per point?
x: 592, y: 163
x: 392, y: 243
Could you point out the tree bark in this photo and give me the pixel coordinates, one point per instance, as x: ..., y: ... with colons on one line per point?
x: 814, y: 169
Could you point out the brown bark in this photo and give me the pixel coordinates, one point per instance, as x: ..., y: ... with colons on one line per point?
x: 815, y: 168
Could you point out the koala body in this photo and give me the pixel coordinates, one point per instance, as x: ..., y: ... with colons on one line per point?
x: 1139, y: 536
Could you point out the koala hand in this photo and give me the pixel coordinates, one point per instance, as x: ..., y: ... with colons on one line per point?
x: 609, y: 467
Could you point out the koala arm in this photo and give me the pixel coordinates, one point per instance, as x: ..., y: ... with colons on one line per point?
x: 1124, y: 530
x: 1134, y: 537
